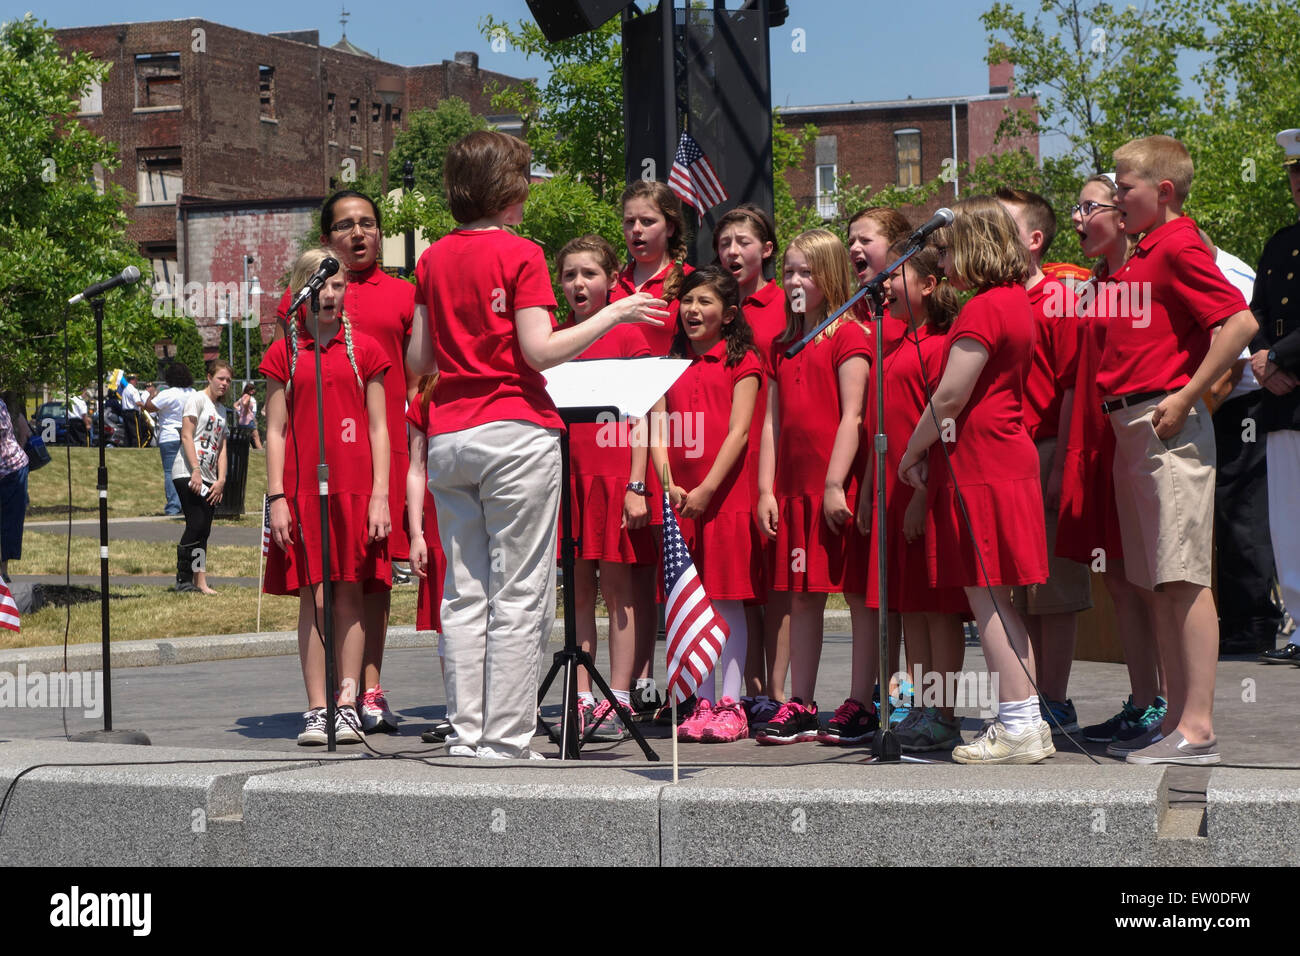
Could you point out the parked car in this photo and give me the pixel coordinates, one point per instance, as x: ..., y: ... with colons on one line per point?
x: 57, y: 413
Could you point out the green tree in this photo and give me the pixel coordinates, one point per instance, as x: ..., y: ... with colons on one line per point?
x: 425, y: 141
x: 574, y: 123
x: 59, y: 233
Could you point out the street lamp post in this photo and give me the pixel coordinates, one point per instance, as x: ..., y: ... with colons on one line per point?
x: 254, y: 293
x: 408, y: 185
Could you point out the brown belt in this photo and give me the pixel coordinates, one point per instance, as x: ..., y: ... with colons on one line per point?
x: 1124, y: 401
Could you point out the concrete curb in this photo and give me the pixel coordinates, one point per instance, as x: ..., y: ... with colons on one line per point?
x: 272, y: 809
x: 192, y: 650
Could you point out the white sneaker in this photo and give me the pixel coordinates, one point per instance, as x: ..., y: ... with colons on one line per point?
x: 376, y: 716
x: 313, y: 732
x: 998, y: 745
x: 347, y: 726
x: 461, y: 750
x: 487, y: 753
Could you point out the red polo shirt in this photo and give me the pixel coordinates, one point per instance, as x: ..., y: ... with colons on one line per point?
x: 1056, y: 357
x: 660, y: 340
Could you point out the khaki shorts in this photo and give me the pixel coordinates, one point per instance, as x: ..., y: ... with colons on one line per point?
x: 1068, y: 587
x: 1164, y: 495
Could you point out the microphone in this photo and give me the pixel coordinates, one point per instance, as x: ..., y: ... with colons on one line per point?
x: 943, y: 217
x: 125, y: 277
x: 329, y: 265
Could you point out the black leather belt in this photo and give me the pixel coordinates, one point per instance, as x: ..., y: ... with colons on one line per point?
x: 1124, y: 401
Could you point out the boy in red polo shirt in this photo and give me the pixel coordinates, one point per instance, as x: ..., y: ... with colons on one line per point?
x: 1161, y: 355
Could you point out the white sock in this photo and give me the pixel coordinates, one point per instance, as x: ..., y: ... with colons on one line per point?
x: 623, y: 697
x: 732, y: 662
x: 1019, y: 715
x: 587, y: 697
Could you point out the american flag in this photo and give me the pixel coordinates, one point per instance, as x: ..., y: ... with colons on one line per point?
x: 693, y: 178
x: 8, y: 608
x: 266, y: 525
x: 696, y: 633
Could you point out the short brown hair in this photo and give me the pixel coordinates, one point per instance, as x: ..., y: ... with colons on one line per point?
x: 984, y: 244
x: 893, y: 224
x: 1039, y: 214
x: 216, y: 365
x: 944, y: 302
x: 1157, y: 158
x: 598, y: 246
x: 485, y: 172
x: 670, y: 206
x: 756, y: 218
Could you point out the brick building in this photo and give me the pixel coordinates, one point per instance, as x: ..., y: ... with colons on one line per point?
x: 230, y: 140
x: 902, y: 142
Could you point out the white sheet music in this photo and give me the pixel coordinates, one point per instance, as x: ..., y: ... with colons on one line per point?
x: 630, y: 385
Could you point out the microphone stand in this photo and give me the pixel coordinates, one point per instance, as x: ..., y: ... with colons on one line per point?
x: 108, y: 735
x: 885, y: 747
x: 323, y: 490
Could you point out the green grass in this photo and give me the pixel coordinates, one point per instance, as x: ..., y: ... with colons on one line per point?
x: 135, y: 484
x: 45, y: 553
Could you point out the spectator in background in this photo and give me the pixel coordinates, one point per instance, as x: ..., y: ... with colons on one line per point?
x: 131, y: 402
x: 168, y: 406
x: 78, y: 413
x: 246, y: 412
x: 13, y: 492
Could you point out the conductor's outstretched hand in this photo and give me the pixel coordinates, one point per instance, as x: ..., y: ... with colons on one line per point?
x: 641, y: 307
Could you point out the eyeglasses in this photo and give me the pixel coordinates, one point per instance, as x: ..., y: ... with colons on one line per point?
x: 347, y: 225
x: 1088, y: 207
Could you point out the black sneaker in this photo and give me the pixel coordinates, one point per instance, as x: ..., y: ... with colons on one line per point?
x: 440, y: 732
x: 664, y: 716
x: 851, y: 724
x: 792, y: 723
x: 759, y: 710
x: 645, y: 700
x: 1286, y: 654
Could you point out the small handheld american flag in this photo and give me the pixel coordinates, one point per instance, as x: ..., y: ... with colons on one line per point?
x: 266, y: 525
x: 8, y: 608
x: 696, y: 633
x: 693, y: 178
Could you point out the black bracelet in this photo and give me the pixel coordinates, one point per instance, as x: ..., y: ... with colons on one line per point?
x: 271, y: 498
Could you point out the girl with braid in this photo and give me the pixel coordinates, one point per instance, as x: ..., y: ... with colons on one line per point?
x: 356, y: 450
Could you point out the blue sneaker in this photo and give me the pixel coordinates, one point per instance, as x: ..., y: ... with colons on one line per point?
x: 1104, y: 732
x: 901, y: 705
x: 1153, y: 716
x: 1064, y: 714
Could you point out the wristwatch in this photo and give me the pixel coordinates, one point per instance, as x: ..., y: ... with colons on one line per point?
x: 1272, y: 356
x: 637, y: 487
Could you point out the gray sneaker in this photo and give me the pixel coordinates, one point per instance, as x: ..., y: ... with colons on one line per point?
x: 607, y: 723
x: 1176, y: 749
x: 925, y: 730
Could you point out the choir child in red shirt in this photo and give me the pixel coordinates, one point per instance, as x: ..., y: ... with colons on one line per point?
x: 745, y: 244
x: 709, y: 485
x: 931, y: 617
x: 1050, y: 608
x: 985, y: 495
x: 1088, y: 531
x: 807, y: 478
x: 483, y: 322
x: 1162, y: 354
x: 654, y: 229
x: 356, y: 449
x: 380, y: 307
x: 610, y: 513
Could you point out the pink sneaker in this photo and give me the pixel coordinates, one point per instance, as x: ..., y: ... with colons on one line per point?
x: 728, y: 725
x: 690, y: 729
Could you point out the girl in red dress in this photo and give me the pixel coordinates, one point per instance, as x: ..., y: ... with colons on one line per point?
x: 931, y: 617
x: 708, y: 480
x: 806, y: 475
x: 356, y: 450
x: 745, y: 244
x: 1088, y: 516
x: 611, y: 517
x: 986, y: 507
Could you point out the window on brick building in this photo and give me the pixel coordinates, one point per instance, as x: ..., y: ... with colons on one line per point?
x: 162, y: 256
x: 907, y: 146
x: 96, y: 177
x: 159, y: 175
x: 827, y: 205
x: 397, y: 116
x: 266, y: 91
x: 354, y: 120
x: 331, y: 123
x: 92, y: 99
x: 157, y: 80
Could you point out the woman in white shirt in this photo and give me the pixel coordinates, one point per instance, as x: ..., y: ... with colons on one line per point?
x: 168, y: 406
x: 199, y: 475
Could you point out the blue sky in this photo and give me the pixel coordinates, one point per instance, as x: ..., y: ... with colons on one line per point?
x: 844, y: 60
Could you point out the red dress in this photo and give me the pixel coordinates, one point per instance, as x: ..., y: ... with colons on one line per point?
x: 809, y: 555
x: 723, y: 541
x: 600, y: 458
x: 428, y: 602
x: 659, y: 340
x: 911, y: 376
x: 765, y: 313
x: 383, y: 308
x: 1088, y: 517
x: 347, y: 452
x: 993, y: 458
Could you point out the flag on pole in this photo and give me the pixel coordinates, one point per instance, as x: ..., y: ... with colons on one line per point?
x: 266, y: 525
x: 693, y: 178
x: 696, y: 633
x: 8, y: 608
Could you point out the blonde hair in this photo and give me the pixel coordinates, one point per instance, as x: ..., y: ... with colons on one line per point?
x: 832, y: 273
x: 302, y: 270
x: 1157, y: 158
x: 984, y: 244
